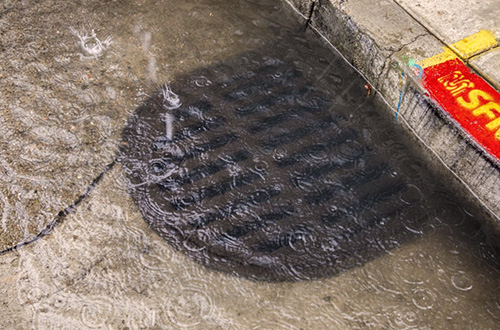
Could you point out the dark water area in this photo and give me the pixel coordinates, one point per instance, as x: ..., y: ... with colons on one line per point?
x: 275, y: 164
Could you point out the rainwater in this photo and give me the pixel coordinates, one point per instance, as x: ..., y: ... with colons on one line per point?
x: 257, y: 185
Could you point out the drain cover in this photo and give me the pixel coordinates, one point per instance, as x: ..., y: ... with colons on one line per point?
x: 254, y: 168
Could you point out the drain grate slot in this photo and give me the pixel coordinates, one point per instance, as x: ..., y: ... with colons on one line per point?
x: 256, y: 86
x: 205, y: 170
x: 262, y: 221
x: 275, y: 120
x: 233, y: 207
x: 215, y: 143
x: 358, y: 178
x: 189, y: 131
x: 309, y: 151
x: 216, y: 190
x: 300, y: 133
x: 281, y: 98
x: 285, y: 239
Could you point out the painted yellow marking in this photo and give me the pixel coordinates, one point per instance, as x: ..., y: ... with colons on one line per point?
x: 464, y: 49
x: 475, y: 97
x: 474, y: 44
x: 493, y: 125
x: 486, y: 110
x: 446, y: 55
x: 456, y: 82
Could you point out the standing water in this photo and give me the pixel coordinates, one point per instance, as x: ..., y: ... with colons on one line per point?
x: 257, y: 185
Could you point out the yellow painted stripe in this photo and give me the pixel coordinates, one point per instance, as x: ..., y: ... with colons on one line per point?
x: 465, y: 48
x: 446, y: 55
x: 474, y: 44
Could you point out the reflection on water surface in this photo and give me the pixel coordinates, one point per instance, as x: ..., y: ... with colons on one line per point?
x: 265, y: 169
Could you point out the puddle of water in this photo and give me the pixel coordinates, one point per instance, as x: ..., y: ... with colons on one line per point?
x: 261, y: 167
x: 104, y: 267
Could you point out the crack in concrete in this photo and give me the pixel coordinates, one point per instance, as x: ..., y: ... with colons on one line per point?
x: 83, y: 274
x: 379, y: 75
x: 73, y: 281
x: 311, y: 12
x: 417, y: 21
x: 407, y: 44
x: 59, y: 218
x: 388, y: 59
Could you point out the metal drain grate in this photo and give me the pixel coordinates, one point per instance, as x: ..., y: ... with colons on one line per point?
x: 265, y: 175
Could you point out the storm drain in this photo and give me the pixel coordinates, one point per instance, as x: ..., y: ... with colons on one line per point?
x: 256, y: 167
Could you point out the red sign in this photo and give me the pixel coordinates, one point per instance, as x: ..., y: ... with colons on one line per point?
x: 472, y: 102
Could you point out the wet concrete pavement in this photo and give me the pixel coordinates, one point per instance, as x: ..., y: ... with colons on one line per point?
x: 63, y: 108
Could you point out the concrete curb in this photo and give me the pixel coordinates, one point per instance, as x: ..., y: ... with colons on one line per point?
x: 374, y: 36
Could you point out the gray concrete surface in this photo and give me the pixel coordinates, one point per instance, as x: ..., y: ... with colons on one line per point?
x: 489, y: 66
x: 452, y: 20
x: 375, y: 35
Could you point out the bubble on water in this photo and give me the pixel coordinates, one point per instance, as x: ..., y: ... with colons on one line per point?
x: 189, y: 307
x: 260, y: 165
x: 411, y: 195
x: 155, y: 256
x: 279, y: 154
x: 318, y: 152
x: 451, y: 214
x: 96, y: 312
x: 423, y: 298
x: 29, y: 295
x: 58, y: 300
x: 202, y: 81
x: 405, y: 319
x: 351, y: 151
x: 421, y: 228
x: 461, y: 281
x: 484, y: 252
